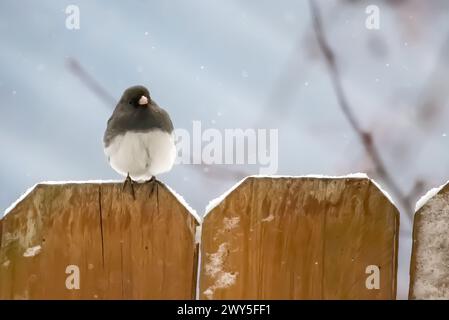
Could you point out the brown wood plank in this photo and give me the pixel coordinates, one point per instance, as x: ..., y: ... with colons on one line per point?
x: 124, y: 248
x: 300, y: 238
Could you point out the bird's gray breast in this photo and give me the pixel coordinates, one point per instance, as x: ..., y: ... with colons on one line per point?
x: 127, y: 119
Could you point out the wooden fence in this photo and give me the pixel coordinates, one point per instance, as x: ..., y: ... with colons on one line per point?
x: 93, y: 241
x: 429, y: 271
x: 306, y: 238
x: 270, y: 238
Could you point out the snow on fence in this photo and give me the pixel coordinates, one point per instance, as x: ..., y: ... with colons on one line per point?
x: 93, y: 241
x: 269, y: 238
x: 429, y: 270
x: 301, y: 238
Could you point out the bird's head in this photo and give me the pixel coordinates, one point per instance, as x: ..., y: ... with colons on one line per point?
x: 136, y: 97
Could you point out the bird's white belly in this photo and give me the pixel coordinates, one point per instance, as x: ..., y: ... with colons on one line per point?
x: 142, y: 154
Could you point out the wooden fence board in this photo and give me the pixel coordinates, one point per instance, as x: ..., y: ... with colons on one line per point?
x: 429, y: 268
x: 300, y: 238
x: 124, y: 248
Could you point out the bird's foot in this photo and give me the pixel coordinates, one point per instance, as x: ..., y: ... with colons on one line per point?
x: 153, y: 185
x: 131, y: 183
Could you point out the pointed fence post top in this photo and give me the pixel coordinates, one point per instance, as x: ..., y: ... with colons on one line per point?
x: 429, y: 267
x: 94, y: 240
x: 307, y: 237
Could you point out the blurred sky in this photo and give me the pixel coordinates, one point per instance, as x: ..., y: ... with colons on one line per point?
x: 229, y: 64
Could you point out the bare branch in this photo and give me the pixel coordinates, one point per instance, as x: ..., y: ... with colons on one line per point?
x: 366, y: 138
x: 89, y: 81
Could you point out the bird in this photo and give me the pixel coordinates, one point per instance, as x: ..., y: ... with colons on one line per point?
x: 139, y: 139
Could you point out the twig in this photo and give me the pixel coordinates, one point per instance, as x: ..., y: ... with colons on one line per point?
x: 366, y: 138
x: 418, y: 190
x: 89, y: 81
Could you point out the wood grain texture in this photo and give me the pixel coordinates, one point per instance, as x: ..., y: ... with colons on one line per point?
x: 429, y: 267
x: 124, y: 248
x: 300, y: 238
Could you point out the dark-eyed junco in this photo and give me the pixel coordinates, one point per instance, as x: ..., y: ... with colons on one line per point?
x: 139, y: 140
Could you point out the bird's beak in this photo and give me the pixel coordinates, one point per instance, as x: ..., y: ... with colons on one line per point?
x: 143, y: 101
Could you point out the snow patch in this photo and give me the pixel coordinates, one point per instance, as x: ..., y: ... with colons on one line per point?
x: 215, y: 202
x: 198, y: 231
x: 430, y: 194
x: 31, y: 252
x: 184, y: 203
x: 231, y: 223
x: 214, y: 269
x: 215, y: 264
x: 20, y: 199
x: 269, y: 218
x: 228, y: 225
x: 385, y: 193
